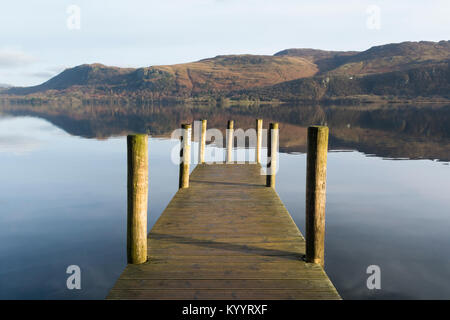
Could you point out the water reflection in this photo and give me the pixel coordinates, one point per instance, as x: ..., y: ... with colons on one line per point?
x: 398, y: 132
x: 63, y: 198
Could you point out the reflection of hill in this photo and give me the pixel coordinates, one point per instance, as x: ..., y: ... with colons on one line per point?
x: 391, y: 144
x: 394, y: 132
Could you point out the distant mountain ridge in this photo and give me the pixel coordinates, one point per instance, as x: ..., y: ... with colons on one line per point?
x: 377, y: 59
x: 207, y: 76
x: 82, y: 75
x: 288, y: 74
x: 424, y: 81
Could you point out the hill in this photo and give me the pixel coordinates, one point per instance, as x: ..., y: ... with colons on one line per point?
x: 208, y: 76
x: 408, y: 69
x: 84, y: 75
x: 425, y: 81
x: 4, y: 87
x: 378, y: 59
x: 324, y: 60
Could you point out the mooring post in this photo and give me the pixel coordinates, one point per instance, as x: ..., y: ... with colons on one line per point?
x: 316, y: 171
x: 259, y: 125
x: 230, y: 139
x: 137, y: 198
x: 272, y: 154
x: 202, y: 142
x: 185, y: 155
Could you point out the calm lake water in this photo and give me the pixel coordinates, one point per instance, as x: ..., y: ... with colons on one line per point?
x: 63, y: 195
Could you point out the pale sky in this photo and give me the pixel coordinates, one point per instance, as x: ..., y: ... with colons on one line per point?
x: 36, y: 42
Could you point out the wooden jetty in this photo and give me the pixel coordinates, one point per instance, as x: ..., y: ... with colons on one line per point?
x: 227, y: 235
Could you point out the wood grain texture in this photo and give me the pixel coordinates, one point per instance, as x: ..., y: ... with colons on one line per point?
x: 202, y: 142
x: 272, y: 155
x: 230, y: 140
x: 185, y: 155
x: 227, y: 236
x: 137, y: 195
x: 316, y: 177
x: 259, y: 127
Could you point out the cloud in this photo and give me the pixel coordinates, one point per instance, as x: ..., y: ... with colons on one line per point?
x: 47, y: 73
x: 11, y: 58
x: 56, y: 69
x: 42, y: 74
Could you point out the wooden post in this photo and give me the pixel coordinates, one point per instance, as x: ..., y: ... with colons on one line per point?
x: 259, y: 125
x: 202, y: 142
x: 272, y: 155
x: 185, y: 155
x: 137, y: 189
x: 230, y: 139
x: 316, y: 170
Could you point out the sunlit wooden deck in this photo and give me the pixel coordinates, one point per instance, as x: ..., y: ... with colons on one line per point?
x: 227, y: 236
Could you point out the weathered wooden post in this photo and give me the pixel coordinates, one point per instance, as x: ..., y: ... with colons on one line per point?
x: 202, y: 142
x: 272, y: 154
x: 230, y: 140
x: 137, y: 190
x: 259, y: 125
x: 185, y: 155
x: 316, y: 170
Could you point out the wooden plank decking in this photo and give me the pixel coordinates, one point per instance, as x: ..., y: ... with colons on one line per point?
x: 227, y: 236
